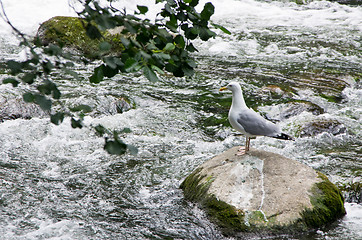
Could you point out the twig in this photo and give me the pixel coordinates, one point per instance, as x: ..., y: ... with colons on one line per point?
x: 17, y: 31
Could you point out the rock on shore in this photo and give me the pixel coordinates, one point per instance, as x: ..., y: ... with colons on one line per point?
x: 263, y: 191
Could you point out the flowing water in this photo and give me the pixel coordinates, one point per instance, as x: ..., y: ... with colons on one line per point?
x: 58, y: 182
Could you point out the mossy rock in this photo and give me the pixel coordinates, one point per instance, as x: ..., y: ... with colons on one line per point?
x: 297, y: 107
x: 290, y: 109
x: 101, y: 105
x: 328, y: 204
x: 227, y: 217
x: 13, y: 107
x: 263, y: 192
x: 70, y: 32
x: 316, y: 127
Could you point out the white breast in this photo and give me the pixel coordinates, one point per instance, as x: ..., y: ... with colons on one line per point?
x: 232, y: 119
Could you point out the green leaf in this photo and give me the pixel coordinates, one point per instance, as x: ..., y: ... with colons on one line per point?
x: 180, y: 41
x: 150, y: 74
x: 28, y: 97
x: 145, y: 55
x: 221, y: 28
x: 142, y: 9
x: 172, y: 24
x: 205, y: 34
x: 105, y: 46
x: 151, y: 46
x: 47, y: 66
x: 208, y: 11
x: 190, y: 47
x: 189, y: 33
x: 49, y: 87
x: 29, y: 78
x: 157, y: 69
x: 116, y: 146
x: 56, y: 92
x: 43, y: 102
x: 181, y: 16
x: 57, y: 118
x: 172, y: 3
x: 130, y: 64
x: 125, y: 42
x: 162, y: 55
x: 14, y: 66
x: 82, y: 107
x: 194, y: 3
x: 167, y: 11
x: 93, y: 32
x: 129, y: 27
x: 110, y: 62
x: 69, y: 64
x: 126, y: 130
x: 169, y: 47
x: 100, y: 129
x: 98, y: 75
x: 13, y: 81
x: 191, y: 63
x: 109, y: 72
x: 53, y: 50
x: 188, y: 71
x: 76, y: 123
x: 104, y: 21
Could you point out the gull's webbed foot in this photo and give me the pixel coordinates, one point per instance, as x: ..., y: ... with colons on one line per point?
x: 241, y: 151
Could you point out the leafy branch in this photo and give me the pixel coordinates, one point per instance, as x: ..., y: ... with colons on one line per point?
x: 151, y: 47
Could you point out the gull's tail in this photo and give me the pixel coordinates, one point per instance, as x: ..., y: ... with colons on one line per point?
x: 283, y: 136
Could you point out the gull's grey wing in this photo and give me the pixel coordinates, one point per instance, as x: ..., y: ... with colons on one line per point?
x: 255, y: 124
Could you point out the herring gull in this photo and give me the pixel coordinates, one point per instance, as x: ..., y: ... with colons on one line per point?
x: 247, y: 121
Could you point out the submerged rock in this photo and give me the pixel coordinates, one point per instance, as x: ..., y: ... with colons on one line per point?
x: 263, y: 191
x: 296, y: 108
x: 102, y: 105
x: 284, y: 111
x: 316, y: 127
x: 12, y: 107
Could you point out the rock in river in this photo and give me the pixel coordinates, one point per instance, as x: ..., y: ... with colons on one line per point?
x: 263, y: 191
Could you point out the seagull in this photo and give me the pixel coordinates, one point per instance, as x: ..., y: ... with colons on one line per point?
x: 247, y: 121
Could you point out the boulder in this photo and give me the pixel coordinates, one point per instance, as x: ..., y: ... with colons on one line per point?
x: 13, y: 107
x: 70, y: 32
x: 296, y: 108
x: 263, y: 191
x: 318, y: 126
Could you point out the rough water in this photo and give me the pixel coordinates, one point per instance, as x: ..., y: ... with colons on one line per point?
x: 58, y: 183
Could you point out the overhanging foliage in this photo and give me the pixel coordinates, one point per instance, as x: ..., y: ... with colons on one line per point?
x: 153, y: 47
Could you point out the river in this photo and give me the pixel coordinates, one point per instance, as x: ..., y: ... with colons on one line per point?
x: 59, y: 183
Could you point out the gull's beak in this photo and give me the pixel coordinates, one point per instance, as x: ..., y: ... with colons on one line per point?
x: 223, y: 88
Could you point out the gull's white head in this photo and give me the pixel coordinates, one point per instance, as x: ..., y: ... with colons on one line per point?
x: 233, y: 86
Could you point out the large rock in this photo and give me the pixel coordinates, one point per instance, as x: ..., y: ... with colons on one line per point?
x: 263, y: 191
x: 71, y: 32
x: 13, y: 107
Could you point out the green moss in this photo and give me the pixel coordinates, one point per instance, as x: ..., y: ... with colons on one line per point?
x: 326, y: 199
x: 70, y: 32
x: 257, y: 218
x: 192, y: 187
x: 227, y: 217
x: 334, y: 99
x: 328, y: 204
